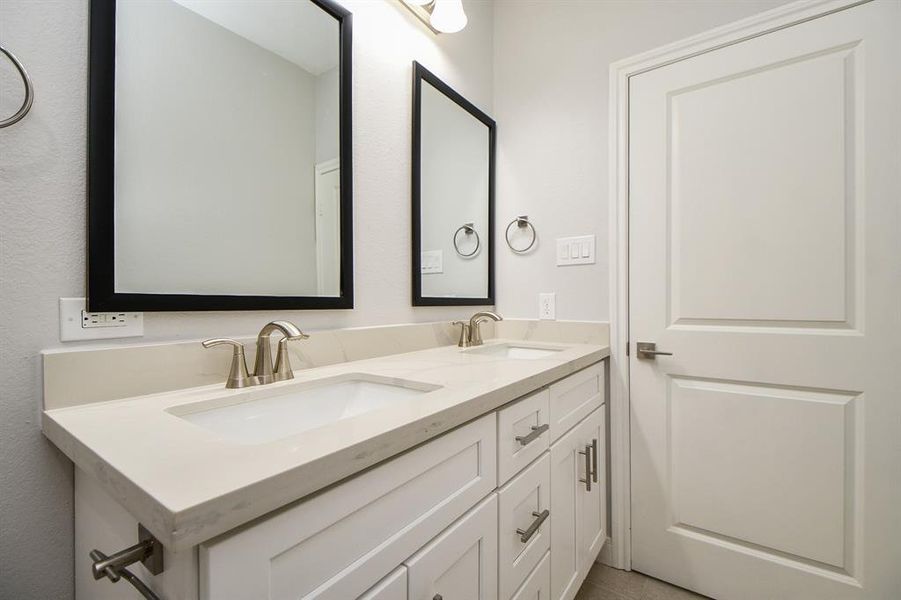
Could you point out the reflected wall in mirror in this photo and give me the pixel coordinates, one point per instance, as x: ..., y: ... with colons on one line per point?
x: 453, y: 196
x: 219, y: 155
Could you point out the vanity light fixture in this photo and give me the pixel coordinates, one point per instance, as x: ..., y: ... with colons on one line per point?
x: 441, y: 16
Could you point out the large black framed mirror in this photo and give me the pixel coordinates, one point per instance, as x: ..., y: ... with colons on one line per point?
x: 453, y: 196
x: 219, y: 155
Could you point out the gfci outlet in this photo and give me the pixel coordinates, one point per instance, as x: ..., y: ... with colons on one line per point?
x: 75, y: 323
x: 546, y: 306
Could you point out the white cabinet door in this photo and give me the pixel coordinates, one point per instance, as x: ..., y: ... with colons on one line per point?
x: 392, y: 587
x: 577, y: 522
x: 461, y: 563
x: 524, y: 509
x: 592, y: 504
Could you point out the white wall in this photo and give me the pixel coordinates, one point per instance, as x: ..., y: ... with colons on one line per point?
x: 551, y: 102
x: 42, y: 242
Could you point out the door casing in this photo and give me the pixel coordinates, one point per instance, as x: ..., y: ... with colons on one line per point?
x: 618, y: 551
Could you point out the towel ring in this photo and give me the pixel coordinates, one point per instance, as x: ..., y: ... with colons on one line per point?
x: 521, y: 222
x: 469, y: 230
x: 29, y: 91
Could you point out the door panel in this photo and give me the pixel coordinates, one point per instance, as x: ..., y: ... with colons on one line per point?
x: 764, y: 214
x: 592, y: 504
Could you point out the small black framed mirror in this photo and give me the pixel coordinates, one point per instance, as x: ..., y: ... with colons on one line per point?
x: 453, y: 196
x: 219, y: 155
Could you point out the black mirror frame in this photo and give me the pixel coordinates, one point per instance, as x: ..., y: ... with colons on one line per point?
x: 101, y: 292
x: 421, y: 74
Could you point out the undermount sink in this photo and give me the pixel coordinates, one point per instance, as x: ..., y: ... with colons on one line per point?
x: 262, y: 415
x: 517, y: 351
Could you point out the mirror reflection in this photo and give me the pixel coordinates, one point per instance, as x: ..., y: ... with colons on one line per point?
x: 453, y: 196
x: 227, y: 170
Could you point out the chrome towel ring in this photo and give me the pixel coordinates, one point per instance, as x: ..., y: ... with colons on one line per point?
x: 521, y: 222
x: 468, y: 229
x: 29, y: 91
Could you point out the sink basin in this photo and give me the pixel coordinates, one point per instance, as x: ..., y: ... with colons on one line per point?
x: 518, y: 351
x: 262, y: 415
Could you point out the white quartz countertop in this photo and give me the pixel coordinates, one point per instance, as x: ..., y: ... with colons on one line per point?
x: 187, y: 484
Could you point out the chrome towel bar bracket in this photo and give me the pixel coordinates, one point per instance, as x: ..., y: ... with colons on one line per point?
x: 29, y: 91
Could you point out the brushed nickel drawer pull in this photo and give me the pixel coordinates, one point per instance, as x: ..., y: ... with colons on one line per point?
x: 587, y: 454
x: 594, y: 454
x: 536, y: 432
x: 540, y: 517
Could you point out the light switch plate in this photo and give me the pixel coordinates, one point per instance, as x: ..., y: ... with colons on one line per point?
x: 547, y: 309
x: 579, y: 250
x: 431, y: 261
x: 75, y: 323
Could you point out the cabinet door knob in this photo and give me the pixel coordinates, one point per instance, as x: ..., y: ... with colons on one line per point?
x: 536, y: 432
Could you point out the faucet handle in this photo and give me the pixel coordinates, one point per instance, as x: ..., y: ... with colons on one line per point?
x: 465, y: 334
x: 283, y: 369
x: 238, y: 377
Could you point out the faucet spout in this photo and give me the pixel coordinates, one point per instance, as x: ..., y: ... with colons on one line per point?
x: 263, y: 369
x: 475, y: 322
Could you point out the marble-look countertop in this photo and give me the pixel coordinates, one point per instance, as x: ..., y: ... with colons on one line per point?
x: 187, y: 484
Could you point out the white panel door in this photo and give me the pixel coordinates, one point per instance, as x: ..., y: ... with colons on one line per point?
x: 764, y: 195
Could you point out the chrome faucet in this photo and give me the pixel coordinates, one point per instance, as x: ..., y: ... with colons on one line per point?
x: 263, y: 370
x: 471, y: 332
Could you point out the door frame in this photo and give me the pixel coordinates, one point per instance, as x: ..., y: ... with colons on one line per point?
x: 618, y: 551
x: 321, y: 169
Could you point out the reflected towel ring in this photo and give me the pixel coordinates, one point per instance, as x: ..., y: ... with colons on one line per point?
x: 521, y: 222
x: 29, y: 91
x: 469, y: 230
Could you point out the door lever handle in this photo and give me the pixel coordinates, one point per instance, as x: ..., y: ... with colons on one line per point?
x: 649, y: 350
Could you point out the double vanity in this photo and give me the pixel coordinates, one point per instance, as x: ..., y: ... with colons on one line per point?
x: 442, y: 473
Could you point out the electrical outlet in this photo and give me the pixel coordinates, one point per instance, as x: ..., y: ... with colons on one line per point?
x: 75, y: 323
x: 546, y: 306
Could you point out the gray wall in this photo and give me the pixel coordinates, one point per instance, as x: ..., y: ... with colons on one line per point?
x: 42, y: 240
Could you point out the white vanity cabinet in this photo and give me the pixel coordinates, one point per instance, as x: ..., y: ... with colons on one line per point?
x: 496, y: 509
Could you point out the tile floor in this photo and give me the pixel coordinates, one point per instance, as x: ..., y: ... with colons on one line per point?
x: 605, y: 583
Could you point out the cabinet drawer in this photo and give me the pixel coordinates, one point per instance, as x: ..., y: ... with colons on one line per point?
x: 522, y: 433
x: 462, y: 561
x: 522, y: 503
x: 392, y: 587
x: 538, y: 584
x: 573, y: 398
x: 340, y: 543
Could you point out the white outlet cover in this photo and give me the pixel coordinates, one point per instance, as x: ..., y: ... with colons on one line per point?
x: 71, y: 317
x: 547, y: 309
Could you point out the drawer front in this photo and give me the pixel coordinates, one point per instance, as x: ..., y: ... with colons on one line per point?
x: 341, y: 542
x: 392, y: 587
x: 538, y: 584
x: 461, y: 562
x: 522, y: 503
x: 573, y: 398
x: 522, y: 433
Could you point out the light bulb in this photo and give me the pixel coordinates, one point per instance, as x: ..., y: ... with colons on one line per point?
x: 418, y: 2
x: 448, y: 16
